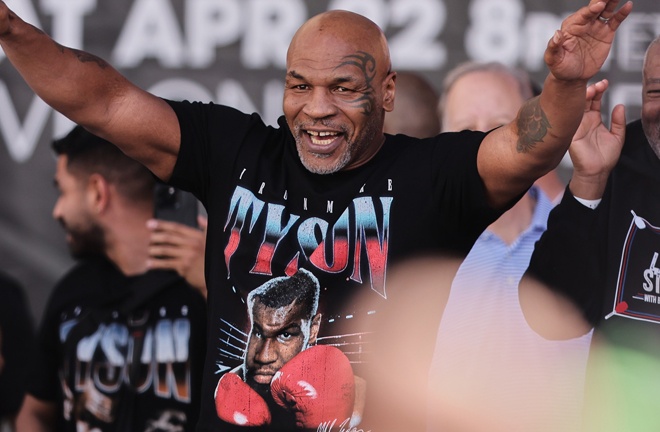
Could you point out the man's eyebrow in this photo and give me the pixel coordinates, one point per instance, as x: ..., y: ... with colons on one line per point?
x: 294, y: 74
x: 337, y: 80
x: 341, y: 80
x: 292, y: 326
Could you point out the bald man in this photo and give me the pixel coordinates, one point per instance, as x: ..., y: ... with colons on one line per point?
x: 325, y: 190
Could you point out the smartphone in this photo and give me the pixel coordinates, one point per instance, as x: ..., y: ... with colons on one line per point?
x: 175, y: 205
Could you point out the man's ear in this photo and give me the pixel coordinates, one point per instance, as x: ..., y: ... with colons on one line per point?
x: 98, y: 193
x: 389, y: 91
x: 314, y: 329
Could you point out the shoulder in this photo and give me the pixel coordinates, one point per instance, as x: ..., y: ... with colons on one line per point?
x: 456, y: 147
x: 445, y: 140
x: 209, y: 115
x: 89, y: 269
x: 88, y: 278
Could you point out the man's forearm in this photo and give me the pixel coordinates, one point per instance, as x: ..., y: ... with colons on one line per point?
x: 569, y: 255
x: 546, y: 125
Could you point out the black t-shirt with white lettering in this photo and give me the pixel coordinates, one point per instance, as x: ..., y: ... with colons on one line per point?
x: 119, y: 353
x: 607, y: 261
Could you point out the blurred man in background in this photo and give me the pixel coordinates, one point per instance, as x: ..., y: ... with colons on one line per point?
x: 120, y: 347
x: 415, y: 108
x: 601, y: 253
x: 486, y: 355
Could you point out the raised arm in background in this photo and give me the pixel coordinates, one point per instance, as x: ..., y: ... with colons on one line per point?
x: 514, y: 156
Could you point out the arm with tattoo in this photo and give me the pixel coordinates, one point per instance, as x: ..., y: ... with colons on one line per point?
x: 512, y: 157
x: 93, y: 94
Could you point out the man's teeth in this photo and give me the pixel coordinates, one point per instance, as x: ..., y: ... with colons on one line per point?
x: 328, y: 137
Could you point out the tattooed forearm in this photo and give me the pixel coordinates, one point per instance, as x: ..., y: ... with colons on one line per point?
x: 367, y: 65
x: 532, y: 125
x: 84, y: 57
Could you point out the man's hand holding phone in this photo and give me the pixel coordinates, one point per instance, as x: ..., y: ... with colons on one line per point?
x: 178, y: 235
x: 179, y: 247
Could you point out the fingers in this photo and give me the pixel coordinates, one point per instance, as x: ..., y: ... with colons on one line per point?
x: 554, y: 48
x: 170, y: 253
x: 203, y: 222
x: 178, y: 247
x: 599, y: 89
x: 594, y: 9
x: 171, y: 227
x: 618, y: 124
x: 171, y: 239
x: 613, y: 18
x: 594, y: 95
x: 603, y: 12
x: 610, y: 7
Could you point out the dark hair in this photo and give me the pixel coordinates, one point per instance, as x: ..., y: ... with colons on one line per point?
x: 302, y: 288
x: 88, y: 154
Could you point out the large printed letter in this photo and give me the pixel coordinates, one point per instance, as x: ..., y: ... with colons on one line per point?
x: 241, y: 202
x: 375, y: 241
x: 338, y: 238
x: 274, y: 234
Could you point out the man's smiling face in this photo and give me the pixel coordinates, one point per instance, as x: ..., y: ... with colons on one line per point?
x: 336, y: 94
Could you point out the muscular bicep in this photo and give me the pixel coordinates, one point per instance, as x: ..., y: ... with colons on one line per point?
x: 512, y: 157
x: 144, y: 127
x: 500, y: 166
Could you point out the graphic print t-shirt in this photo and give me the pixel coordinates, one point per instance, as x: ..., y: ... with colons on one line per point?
x: 607, y: 261
x: 269, y: 217
x: 110, y: 368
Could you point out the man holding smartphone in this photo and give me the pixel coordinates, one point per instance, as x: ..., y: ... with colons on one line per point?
x: 121, y: 346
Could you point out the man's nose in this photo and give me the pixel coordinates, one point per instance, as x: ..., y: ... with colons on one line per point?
x: 56, y: 210
x: 319, y: 103
x: 267, y: 352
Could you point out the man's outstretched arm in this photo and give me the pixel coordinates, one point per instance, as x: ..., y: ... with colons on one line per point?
x: 93, y: 94
x: 512, y: 157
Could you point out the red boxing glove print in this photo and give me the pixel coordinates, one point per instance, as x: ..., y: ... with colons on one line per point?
x: 237, y: 403
x: 317, y: 385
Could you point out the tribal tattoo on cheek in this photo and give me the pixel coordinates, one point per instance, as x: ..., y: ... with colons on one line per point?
x: 366, y: 63
x: 532, y: 125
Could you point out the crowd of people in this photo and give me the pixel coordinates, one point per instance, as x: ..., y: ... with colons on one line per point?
x: 388, y: 257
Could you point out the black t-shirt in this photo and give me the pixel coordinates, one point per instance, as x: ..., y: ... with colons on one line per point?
x: 269, y: 216
x: 121, y: 353
x: 16, y: 339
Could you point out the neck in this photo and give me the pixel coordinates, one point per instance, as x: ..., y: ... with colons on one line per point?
x: 515, y: 221
x: 127, y: 242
